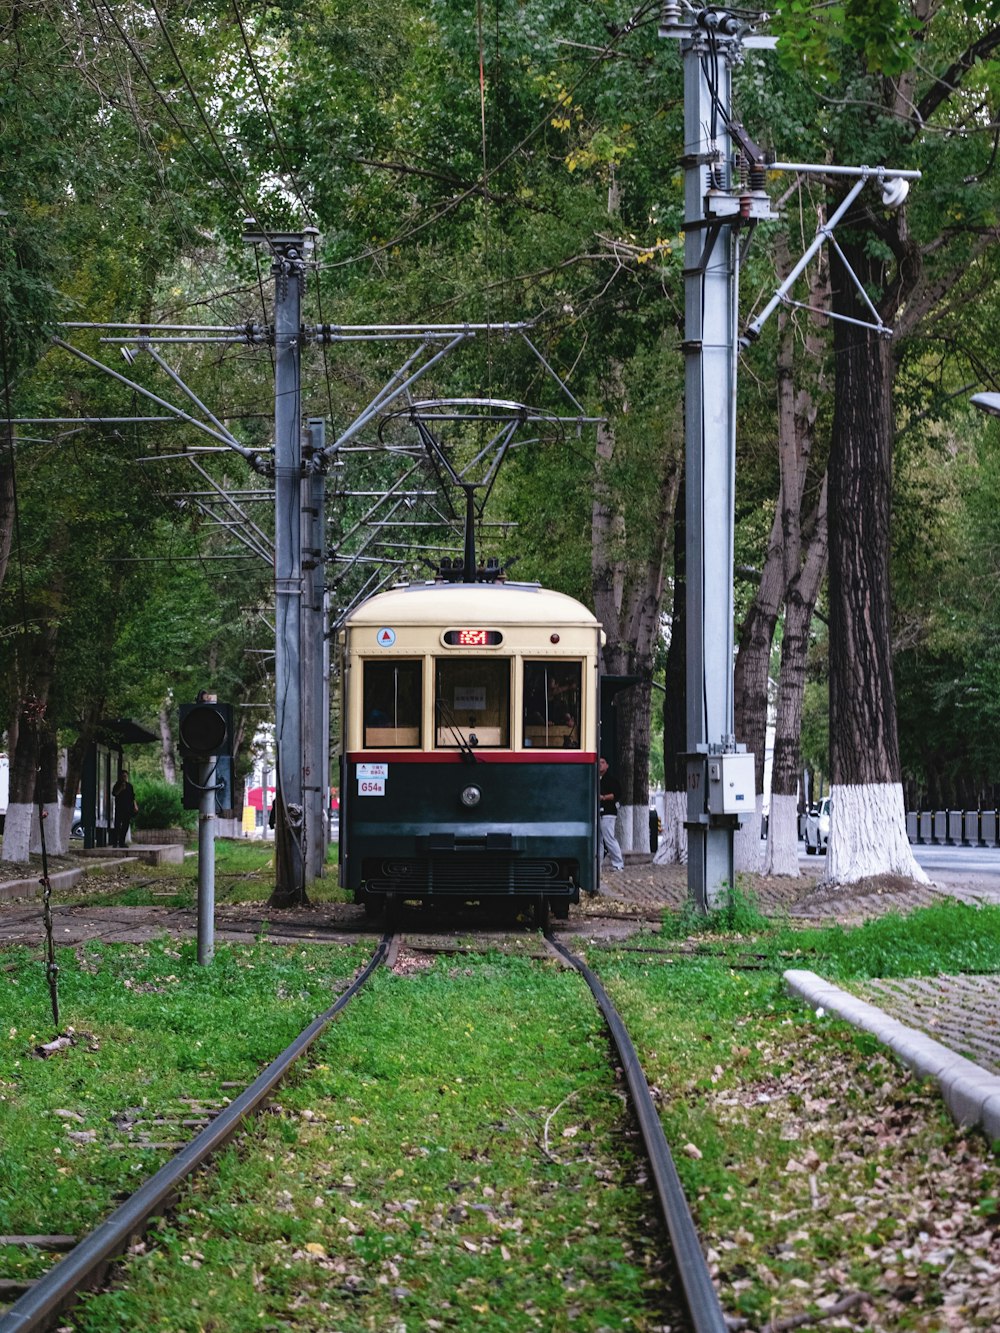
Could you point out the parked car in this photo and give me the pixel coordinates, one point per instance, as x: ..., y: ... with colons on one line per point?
x: 817, y: 827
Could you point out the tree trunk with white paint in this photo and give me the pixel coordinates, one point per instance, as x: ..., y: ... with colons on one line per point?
x: 167, y: 753
x: 868, y: 834
x: 868, y: 823
x: 799, y: 606
x: 782, y: 836
x: 673, y: 848
x: 628, y: 580
x: 47, y: 793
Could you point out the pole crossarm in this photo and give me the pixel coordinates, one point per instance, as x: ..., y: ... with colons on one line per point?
x: 222, y: 435
x: 894, y: 183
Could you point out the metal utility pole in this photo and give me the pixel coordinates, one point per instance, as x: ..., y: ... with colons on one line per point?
x: 315, y: 653
x: 291, y: 253
x: 717, y: 202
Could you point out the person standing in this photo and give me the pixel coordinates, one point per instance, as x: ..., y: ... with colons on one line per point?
x: 125, y: 808
x: 609, y: 814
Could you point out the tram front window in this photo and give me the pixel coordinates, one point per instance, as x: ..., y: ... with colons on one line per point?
x: 391, y: 704
x: 472, y: 703
x: 552, y: 693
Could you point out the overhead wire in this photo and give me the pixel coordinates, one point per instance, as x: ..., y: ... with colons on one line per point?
x: 241, y: 193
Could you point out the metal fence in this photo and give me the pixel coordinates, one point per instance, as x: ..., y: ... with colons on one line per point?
x: 953, y: 828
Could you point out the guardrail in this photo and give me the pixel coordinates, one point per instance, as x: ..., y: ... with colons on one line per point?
x: 953, y: 828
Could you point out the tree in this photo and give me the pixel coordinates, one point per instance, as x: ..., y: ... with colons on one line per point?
x: 887, y: 104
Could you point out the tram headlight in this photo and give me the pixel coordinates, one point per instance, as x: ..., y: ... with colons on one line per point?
x: 471, y: 796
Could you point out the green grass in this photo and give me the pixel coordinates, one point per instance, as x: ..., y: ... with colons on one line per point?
x: 819, y: 1165
x: 455, y: 1160
x: 150, y: 1027
x: 950, y: 937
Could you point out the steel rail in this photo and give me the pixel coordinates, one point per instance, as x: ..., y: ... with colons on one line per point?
x: 699, y: 1291
x: 57, y: 1289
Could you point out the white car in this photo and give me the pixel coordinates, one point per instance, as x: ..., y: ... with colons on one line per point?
x: 817, y: 827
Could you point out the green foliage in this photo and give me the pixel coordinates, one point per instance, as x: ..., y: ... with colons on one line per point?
x: 161, y: 805
x: 740, y: 914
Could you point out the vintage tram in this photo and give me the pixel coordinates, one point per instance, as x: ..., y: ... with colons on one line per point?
x: 469, y: 746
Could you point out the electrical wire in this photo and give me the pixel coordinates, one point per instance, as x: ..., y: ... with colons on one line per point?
x: 278, y: 142
x: 241, y: 193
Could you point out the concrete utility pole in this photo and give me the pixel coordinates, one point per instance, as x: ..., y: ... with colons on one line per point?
x: 717, y: 202
x: 291, y: 253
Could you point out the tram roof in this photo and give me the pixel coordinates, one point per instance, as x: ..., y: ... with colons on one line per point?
x: 474, y: 603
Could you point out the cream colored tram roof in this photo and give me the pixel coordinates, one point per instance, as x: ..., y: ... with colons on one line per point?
x: 472, y: 604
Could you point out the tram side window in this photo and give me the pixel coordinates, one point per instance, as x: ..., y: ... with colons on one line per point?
x: 552, y: 693
x: 472, y: 702
x: 391, y: 704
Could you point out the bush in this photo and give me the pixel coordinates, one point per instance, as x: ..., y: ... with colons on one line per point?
x: 161, y: 805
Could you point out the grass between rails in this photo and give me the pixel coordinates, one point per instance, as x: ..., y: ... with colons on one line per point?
x: 455, y: 1159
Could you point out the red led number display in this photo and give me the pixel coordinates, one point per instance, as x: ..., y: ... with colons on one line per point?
x: 473, y: 638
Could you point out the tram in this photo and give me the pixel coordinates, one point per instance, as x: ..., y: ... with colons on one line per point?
x: 469, y: 746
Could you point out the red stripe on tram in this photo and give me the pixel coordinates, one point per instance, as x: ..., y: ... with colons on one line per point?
x: 538, y: 756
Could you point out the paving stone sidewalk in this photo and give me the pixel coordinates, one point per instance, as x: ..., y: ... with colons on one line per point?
x: 963, y: 1013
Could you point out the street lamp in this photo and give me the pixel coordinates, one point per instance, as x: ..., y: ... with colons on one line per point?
x: 987, y: 402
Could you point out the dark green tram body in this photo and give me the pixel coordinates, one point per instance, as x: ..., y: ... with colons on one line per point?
x: 532, y: 832
x: 470, y: 738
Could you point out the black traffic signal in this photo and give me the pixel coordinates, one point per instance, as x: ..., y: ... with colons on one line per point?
x: 206, y: 732
x: 206, y: 729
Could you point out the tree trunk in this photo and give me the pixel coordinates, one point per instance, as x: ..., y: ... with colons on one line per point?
x: 74, y: 771
x: 782, y: 850
x: 23, y: 773
x: 38, y: 653
x: 6, y: 495
x: 868, y: 825
x: 628, y: 594
x: 750, y: 686
x: 46, y: 799
x: 167, y: 753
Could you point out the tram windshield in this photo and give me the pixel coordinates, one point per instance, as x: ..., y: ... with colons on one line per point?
x: 392, y: 694
x: 552, y: 693
x: 472, y: 702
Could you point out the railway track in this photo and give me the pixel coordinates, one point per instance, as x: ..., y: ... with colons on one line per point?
x: 88, y: 1261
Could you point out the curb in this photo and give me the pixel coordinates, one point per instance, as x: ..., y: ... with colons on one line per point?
x: 971, y: 1093
x: 62, y: 879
